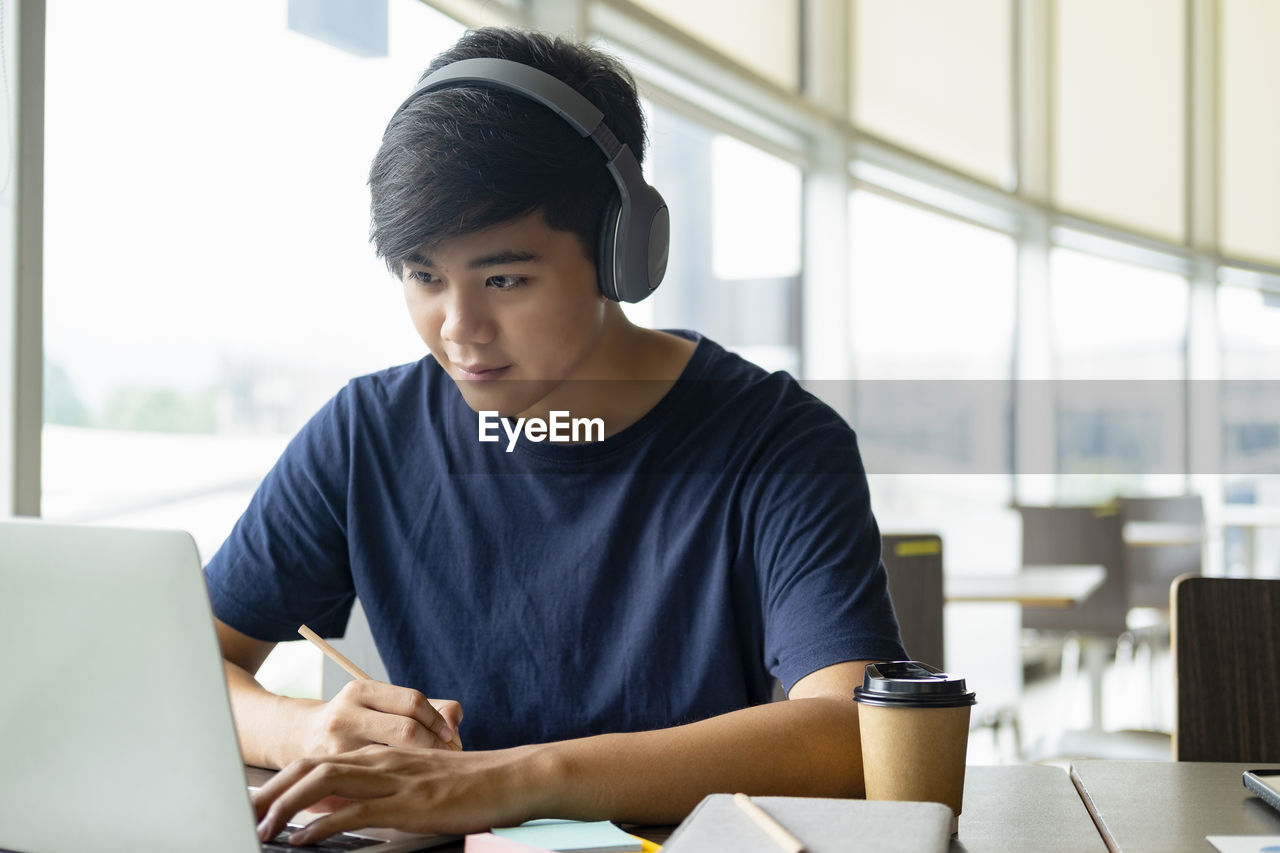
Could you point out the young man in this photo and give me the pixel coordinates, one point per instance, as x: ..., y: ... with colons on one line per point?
x: 609, y: 612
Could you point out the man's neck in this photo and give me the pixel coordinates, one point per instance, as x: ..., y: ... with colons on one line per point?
x: 637, y: 368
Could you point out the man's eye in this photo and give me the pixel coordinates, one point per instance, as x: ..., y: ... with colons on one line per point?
x: 422, y: 277
x: 505, y: 282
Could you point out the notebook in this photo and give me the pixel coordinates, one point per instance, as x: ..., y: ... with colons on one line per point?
x: 823, y: 825
x: 115, y: 728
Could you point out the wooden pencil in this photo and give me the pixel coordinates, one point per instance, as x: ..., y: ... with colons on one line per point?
x: 784, y: 839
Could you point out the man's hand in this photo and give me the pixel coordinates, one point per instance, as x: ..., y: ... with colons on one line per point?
x: 428, y: 791
x: 372, y: 712
x: 275, y: 730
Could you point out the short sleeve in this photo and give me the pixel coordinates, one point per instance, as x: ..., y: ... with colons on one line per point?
x: 286, y: 561
x: 824, y: 592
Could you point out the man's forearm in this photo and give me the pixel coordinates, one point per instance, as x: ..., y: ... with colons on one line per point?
x: 264, y: 720
x: 802, y: 747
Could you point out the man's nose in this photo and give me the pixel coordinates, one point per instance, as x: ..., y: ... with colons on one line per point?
x: 467, y: 319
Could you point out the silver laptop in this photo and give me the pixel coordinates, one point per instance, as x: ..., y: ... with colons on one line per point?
x: 115, y: 728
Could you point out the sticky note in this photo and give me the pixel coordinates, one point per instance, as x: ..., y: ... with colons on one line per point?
x: 487, y: 842
x: 571, y: 835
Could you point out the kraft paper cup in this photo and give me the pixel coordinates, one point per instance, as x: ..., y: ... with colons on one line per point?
x: 914, y: 721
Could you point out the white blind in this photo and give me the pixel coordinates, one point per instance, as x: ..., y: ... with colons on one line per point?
x: 763, y: 35
x: 1250, y: 167
x: 1119, y: 112
x: 936, y: 76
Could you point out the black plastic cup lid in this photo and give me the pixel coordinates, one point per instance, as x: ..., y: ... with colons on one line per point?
x: 911, y: 684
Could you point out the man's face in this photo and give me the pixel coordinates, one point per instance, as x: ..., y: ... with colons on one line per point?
x: 510, y: 312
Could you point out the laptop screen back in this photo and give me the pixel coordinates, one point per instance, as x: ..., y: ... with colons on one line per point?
x: 115, y: 729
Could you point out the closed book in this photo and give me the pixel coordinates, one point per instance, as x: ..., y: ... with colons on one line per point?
x: 823, y: 825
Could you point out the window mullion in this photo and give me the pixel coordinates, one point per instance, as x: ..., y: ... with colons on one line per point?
x: 21, y: 323
x: 824, y: 288
x: 1035, y: 411
x: 1203, y: 400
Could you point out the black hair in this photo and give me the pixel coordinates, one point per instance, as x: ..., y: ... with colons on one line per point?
x: 463, y: 159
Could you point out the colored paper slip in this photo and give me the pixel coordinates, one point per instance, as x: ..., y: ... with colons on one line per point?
x: 571, y: 836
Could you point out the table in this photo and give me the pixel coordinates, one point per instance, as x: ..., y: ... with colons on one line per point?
x: 1161, y: 534
x: 1022, y: 807
x: 1007, y: 809
x: 1033, y: 586
x: 1166, y: 807
x: 1043, y: 586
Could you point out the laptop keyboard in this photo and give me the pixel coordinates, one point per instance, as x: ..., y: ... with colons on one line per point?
x: 341, y: 841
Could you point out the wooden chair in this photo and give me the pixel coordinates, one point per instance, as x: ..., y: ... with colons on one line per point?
x: 914, y: 565
x: 1226, y: 657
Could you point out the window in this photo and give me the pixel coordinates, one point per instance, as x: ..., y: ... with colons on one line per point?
x: 1250, y: 325
x: 734, y: 266
x: 1119, y: 334
x: 931, y: 339
x: 208, y: 280
x: 931, y: 297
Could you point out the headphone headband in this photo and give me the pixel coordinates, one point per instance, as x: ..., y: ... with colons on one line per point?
x: 520, y: 79
x: 634, y: 236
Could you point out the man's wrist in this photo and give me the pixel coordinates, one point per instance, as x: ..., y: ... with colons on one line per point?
x: 272, y: 728
x: 286, y: 728
x: 546, y: 774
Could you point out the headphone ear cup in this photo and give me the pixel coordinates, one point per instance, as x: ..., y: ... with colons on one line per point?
x: 607, y: 254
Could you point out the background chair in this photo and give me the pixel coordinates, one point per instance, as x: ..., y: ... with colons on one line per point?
x: 1057, y: 535
x: 1163, y: 540
x: 1054, y: 535
x: 914, y: 565
x: 1226, y: 653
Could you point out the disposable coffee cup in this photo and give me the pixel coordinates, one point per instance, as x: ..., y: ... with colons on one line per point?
x: 914, y: 720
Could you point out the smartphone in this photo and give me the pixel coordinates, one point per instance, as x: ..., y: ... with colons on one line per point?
x: 1266, y: 784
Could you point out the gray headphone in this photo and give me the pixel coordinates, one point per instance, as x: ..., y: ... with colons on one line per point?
x: 636, y: 229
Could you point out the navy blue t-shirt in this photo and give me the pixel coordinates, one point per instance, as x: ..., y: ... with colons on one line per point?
x: 654, y: 578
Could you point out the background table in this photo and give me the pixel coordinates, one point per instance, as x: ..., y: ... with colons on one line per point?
x: 1166, y: 807
x: 1033, y: 586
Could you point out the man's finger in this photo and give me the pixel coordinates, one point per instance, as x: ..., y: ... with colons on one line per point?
x: 324, y: 779
x: 282, y: 781
x: 354, y: 816
x: 411, y: 704
x: 452, y: 713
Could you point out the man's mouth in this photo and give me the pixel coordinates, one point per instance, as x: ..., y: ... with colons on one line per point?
x: 480, y: 372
